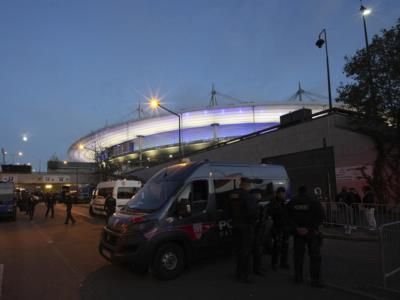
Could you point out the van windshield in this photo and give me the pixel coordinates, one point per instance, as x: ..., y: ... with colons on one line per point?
x: 153, y: 195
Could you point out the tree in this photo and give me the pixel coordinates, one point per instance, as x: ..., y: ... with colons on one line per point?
x: 373, y: 90
x: 374, y: 87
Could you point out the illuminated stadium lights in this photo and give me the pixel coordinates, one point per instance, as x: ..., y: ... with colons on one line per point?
x: 161, y: 131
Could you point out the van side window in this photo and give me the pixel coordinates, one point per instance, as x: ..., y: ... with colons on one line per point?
x: 126, y: 192
x: 197, y: 194
x: 104, y: 192
x: 223, y: 189
x: 199, y: 197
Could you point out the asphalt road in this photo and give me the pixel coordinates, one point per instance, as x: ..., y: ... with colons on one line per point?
x: 45, y: 259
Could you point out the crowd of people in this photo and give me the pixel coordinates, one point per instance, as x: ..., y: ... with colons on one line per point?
x: 353, y: 201
x: 29, y: 200
x: 301, y: 218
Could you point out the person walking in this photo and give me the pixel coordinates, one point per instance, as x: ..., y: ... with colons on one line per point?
x: 110, y: 205
x: 369, y: 202
x: 50, y: 204
x: 243, y: 211
x: 68, y: 203
x: 305, y: 217
x: 280, y: 231
x: 31, y: 206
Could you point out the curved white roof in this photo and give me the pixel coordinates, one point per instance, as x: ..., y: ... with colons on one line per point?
x: 84, y: 148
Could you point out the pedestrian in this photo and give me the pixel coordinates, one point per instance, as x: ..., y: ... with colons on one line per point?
x: 259, y: 234
x: 243, y: 211
x: 369, y: 206
x: 280, y: 230
x: 305, y: 217
x: 354, y: 201
x: 49, y: 198
x: 68, y: 203
x: 31, y: 206
x: 110, y: 205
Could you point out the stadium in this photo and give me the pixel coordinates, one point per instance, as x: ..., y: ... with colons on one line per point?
x: 147, y: 141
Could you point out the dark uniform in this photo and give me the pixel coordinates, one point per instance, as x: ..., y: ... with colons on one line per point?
x: 31, y: 206
x: 109, y: 206
x: 280, y: 230
x: 243, y: 210
x: 50, y: 205
x: 259, y: 234
x: 68, y: 203
x: 305, y: 216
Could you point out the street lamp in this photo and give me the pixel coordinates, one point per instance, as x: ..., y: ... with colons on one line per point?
x: 154, y: 104
x: 365, y: 12
x: 322, y: 39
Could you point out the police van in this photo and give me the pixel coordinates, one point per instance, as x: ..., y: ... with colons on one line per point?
x: 8, y: 200
x: 179, y: 216
x: 121, y: 190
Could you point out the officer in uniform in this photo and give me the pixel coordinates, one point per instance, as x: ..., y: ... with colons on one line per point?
x: 259, y: 234
x: 50, y: 204
x: 280, y: 232
x: 243, y: 211
x: 305, y: 217
x: 68, y: 203
x: 31, y: 206
x: 109, y: 206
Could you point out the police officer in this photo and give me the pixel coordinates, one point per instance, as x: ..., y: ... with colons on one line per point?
x: 279, y: 231
x: 68, y: 203
x: 259, y: 234
x: 109, y: 206
x: 243, y: 211
x: 31, y: 206
x: 305, y: 216
x: 50, y: 204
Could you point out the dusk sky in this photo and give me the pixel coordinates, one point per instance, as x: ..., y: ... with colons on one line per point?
x: 68, y: 67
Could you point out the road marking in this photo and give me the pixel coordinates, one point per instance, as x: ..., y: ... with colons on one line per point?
x: 1, y: 277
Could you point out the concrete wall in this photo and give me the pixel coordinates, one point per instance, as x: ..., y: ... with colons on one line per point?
x: 350, y: 148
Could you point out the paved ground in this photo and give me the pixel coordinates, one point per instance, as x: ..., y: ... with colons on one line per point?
x: 46, y: 259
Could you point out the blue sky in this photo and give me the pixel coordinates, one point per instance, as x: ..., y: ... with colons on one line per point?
x: 68, y: 67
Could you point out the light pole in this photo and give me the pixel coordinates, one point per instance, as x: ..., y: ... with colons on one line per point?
x: 322, y: 39
x: 155, y: 103
x: 365, y: 12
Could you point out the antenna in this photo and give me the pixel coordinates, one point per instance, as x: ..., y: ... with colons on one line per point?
x: 213, y: 100
x: 301, y: 95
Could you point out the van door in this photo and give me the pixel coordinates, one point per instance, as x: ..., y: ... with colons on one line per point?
x: 222, y: 190
x: 198, y: 222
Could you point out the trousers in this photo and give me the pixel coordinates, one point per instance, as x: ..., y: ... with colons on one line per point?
x: 313, y: 243
x: 243, y: 235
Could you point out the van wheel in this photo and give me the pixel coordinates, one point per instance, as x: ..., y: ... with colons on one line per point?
x: 14, y: 217
x: 169, y: 262
x: 91, y: 212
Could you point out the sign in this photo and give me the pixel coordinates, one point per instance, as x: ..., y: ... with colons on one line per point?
x: 353, y: 173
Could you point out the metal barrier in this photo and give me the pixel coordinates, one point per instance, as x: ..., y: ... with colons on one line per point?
x: 359, y: 215
x: 371, y: 216
x: 389, y: 237
x: 336, y: 213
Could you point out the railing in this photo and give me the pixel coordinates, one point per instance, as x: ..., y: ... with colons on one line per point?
x: 389, y: 237
x: 359, y: 215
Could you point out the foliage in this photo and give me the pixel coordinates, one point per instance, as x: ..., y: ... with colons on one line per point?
x: 374, y: 87
x: 374, y: 91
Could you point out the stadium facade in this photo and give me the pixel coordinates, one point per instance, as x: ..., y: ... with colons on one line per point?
x: 155, y: 139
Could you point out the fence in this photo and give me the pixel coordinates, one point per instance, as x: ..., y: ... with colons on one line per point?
x: 389, y: 237
x: 359, y: 215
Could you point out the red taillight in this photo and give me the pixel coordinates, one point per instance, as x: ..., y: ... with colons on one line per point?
x: 137, y: 219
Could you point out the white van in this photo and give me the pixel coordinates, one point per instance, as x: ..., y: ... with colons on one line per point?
x: 121, y: 190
